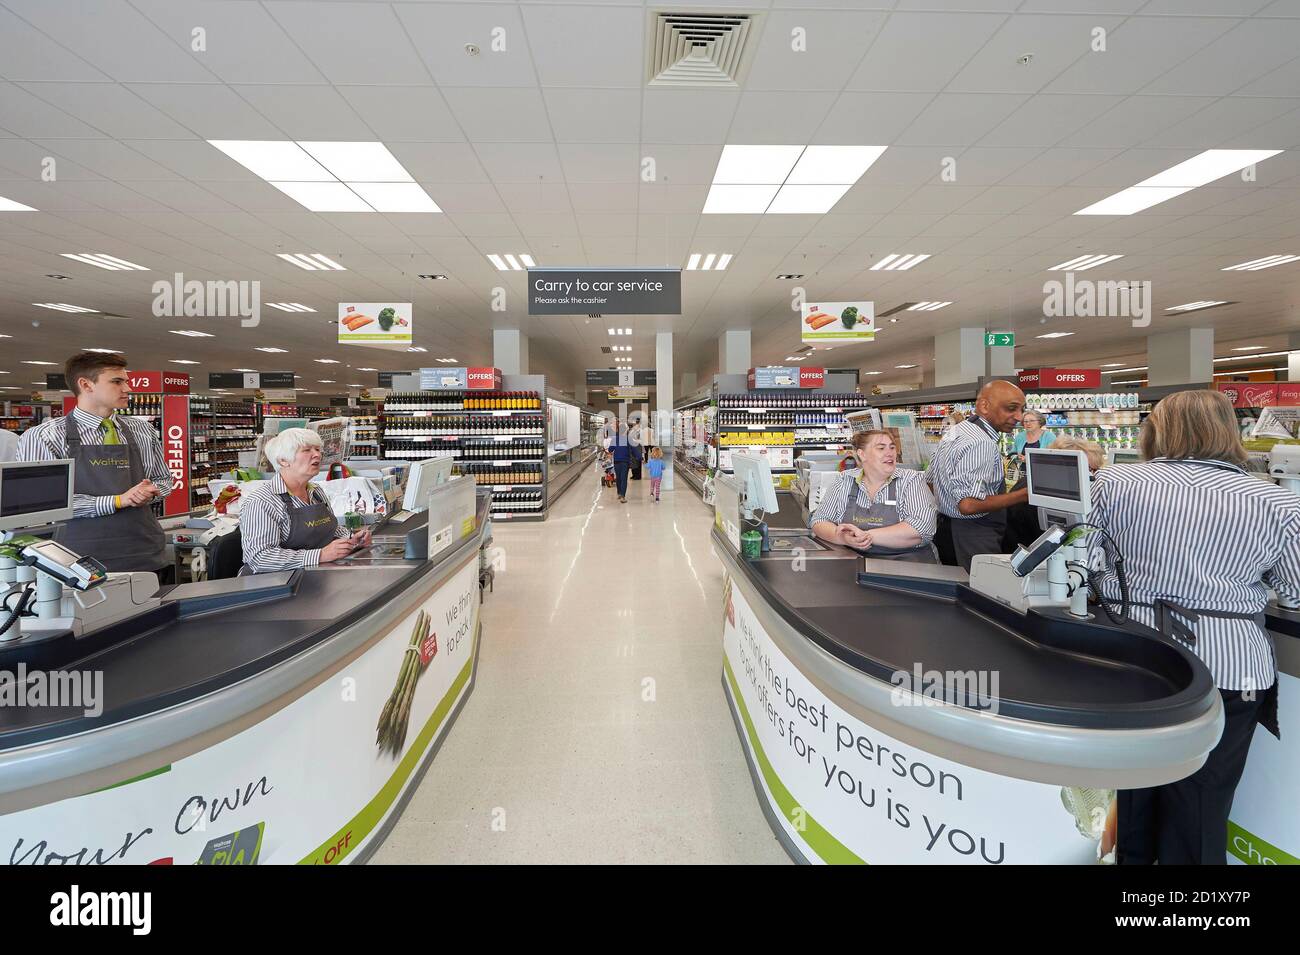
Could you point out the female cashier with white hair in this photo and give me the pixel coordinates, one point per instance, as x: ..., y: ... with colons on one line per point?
x: 288, y: 522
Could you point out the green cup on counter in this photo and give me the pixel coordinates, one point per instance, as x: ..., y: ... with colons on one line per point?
x: 352, y: 521
x: 751, y: 545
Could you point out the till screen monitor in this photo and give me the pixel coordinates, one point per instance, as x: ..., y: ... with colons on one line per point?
x: 1059, y: 480
x: 35, y: 493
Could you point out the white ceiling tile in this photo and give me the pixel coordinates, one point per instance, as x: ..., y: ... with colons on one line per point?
x: 673, y: 163
x: 1138, y: 51
x: 594, y: 116
x: 440, y: 162
x: 520, y: 162
x: 600, y: 162
x: 1246, y: 53
x: 441, y: 31
x: 535, y: 197
x: 28, y: 160
x: 1281, y: 133
x: 942, y: 197
x: 672, y: 198
x: 870, y: 119
x: 116, y: 38
x: 686, y: 116
x: 112, y: 196
x: 467, y: 198
x: 1135, y: 119
x: 586, y: 45
x: 488, y: 225
x: 923, y: 51
x: 612, y: 197
x: 27, y: 54
x: 191, y: 158
x: 1048, y: 118
x: 1003, y: 199
x: 1055, y: 42
x: 25, y: 115
x: 779, y: 117
x: 397, y: 113
x: 254, y: 195
x: 1056, y: 167
x: 960, y: 119
x: 212, y: 112
x: 244, y: 44
x: 354, y: 43
x: 985, y: 165
x: 423, y: 224
x: 1223, y: 121
x: 907, y: 165
x: 674, y: 225
x: 183, y: 196
x: 606, y: 224
x: 866, y: 197
x: 500, y: 115
x: 111, y: 109
x: 835, y: 43
x: 307, y: 112
x: 107, y: 157
x: 535, y: 225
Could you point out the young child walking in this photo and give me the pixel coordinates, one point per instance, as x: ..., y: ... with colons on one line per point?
x: 656, y: 468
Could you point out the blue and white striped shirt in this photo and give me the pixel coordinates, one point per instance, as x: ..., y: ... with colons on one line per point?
x: 48, y: 441
x: 915, y: 504
x: 264, y: 524
x: 1208, y: 536
x: 967, y: 463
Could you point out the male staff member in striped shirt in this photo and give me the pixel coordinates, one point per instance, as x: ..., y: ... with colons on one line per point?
x: 969, y: 480
x: 1206, y: 540
x: 119, y: 468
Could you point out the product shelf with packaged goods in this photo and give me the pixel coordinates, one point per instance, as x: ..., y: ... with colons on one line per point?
x: 18, y: 416
x: 497, y: 438
x: 693, y: 450
x: 570, y: 443
x: 221, y: 429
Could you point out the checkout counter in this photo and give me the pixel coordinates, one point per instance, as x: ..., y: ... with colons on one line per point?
x: 891, y: 713
x: 279, y: 718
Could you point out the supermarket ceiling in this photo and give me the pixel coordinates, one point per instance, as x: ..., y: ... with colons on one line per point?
x: 541, y: 148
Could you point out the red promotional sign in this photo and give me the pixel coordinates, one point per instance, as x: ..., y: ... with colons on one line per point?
x: 483, y: 379
x: 1258, y: 394
x: 149, y: 382
x: 175, y: 383
x: 1233, y: 393
x: 1060, y: 378
x: 176, y: 452
x: 428, y: 649
x: 1288, y: 394
x: 812, y: 377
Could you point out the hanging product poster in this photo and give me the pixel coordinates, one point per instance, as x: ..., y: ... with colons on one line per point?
x: 375, y: 323
x: 838, y: 322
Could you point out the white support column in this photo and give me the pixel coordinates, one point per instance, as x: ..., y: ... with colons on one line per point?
x: 958, y: 356
x: 1183, y: 357
x: 510, y: 351
x: 733, y: 352
x: 664, y: 397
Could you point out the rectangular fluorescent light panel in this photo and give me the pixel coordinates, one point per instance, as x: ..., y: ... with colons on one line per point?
x: 105, y: 261
x: 311, y: 261
x: 272, y: 351
x: 900, y: 261
x: 8, y: 205
x: 64, y: 307
x: 290, y: 306
x: 1193, y: 306
x: 1254, y: 265
x: 189, y: 333
x: 510, y: 263
x: 751, y: 180
x: 1084, y: 262
x: 928, y: 306
x: 1055, y: 335
x: 1187, y: 175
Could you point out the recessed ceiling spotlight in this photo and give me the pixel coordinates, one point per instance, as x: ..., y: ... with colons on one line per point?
x: 325, y: 361
x: 57, y: 277
x: 873, y: 372
x: 104, y: 261
x: 434, y: 277
x: 1201, y: 169
x: 311, y: 261
x: 1268, y: 262
x: 1082, y: 263
x: 272, y: 351
x: 900, y: 261
x: 790, y: 276
x: 1055, y: 335
x: 905, y: 366
x: 290, y: 306
x: 64, y: 307
x: 182, y: 361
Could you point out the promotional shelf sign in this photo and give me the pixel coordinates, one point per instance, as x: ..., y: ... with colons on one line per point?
x: 375, y: 323
x: 838, y: 322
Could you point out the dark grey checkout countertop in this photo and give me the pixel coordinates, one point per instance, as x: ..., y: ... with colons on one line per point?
x: 1051, y: 669
x: 162, y: 659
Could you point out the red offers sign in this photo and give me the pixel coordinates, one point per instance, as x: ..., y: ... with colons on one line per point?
x: 1060, y: 378
x: 176, y: 451
x: 812, y: 377
x: 483, y: 379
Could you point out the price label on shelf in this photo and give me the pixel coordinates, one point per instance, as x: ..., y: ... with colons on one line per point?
x: 500, y: 414
x: 502, y: 464
x: 503, y: 437
x: 755, y: 427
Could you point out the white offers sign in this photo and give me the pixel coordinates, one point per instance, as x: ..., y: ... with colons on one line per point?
x: 838, y: 323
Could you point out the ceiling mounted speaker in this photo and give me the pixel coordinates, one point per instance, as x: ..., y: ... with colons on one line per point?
x: 699, y: 50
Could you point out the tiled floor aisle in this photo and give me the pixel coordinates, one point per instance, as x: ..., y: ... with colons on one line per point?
x: 556, y: 740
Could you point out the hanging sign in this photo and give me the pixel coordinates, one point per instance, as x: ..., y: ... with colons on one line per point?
x: 839, y: 323
x: 1060, y: 378
x: 633, y: 393
x: 604, y: 291
x: 375, y: 323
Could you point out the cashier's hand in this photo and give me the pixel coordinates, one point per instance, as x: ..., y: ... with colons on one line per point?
x: 361, y: 538
x: 854, y: 536
x: 335, y: 550
x: 141, y: 494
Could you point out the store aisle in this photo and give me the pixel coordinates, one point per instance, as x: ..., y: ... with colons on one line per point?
x: 598, y: 730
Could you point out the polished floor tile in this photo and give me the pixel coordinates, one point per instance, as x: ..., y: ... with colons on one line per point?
x: 598, y: 730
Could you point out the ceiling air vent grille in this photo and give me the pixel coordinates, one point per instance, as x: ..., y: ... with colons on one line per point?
x: 605, y: 350
x: 699, y: 50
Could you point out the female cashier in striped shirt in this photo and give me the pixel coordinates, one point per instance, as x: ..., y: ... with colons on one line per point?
x: 1202, y: 542
x: 879, y: 509
x: 288, y: 522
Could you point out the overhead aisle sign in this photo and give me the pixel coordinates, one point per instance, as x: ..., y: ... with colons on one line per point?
x: 604, y: 291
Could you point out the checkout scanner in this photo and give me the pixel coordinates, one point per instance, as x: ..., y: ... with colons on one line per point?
x: 47, y: 589
x: 1052, y: 571
x: 758, y: 494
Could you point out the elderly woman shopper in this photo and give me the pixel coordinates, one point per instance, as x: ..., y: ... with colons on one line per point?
x: 1034, y: 435
x: 288, y: 522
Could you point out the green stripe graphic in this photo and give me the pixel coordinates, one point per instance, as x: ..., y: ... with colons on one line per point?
x: 368, y: 818
x: 1253, y: 850
x: 828, y: 848
x: 134, y: 779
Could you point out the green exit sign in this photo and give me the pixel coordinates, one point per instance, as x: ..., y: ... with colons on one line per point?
x: 999, y: 339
